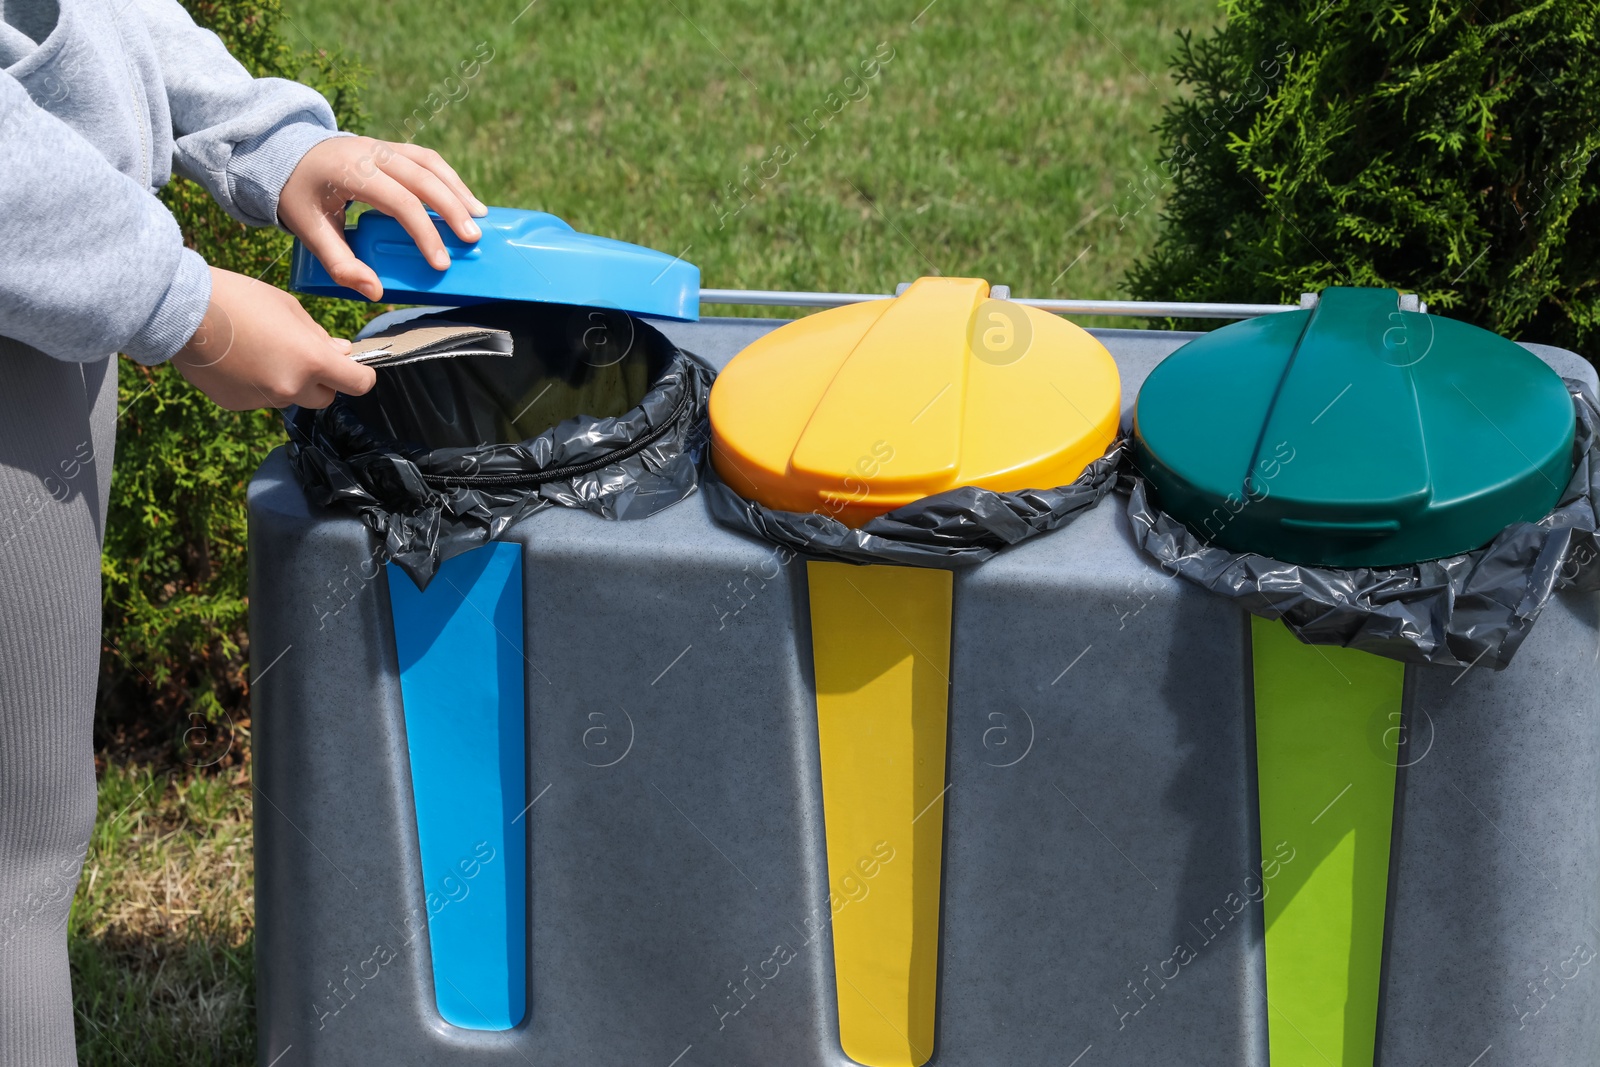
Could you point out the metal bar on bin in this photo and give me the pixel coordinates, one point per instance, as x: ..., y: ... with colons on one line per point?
x: 1143, y: 308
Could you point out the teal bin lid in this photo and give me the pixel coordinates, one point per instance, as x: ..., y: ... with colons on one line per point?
x: 523, y: 255
x: 1353, y: 434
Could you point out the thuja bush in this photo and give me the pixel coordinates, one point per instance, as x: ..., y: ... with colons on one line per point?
x: 1436, y: 146
x: 173, y: 662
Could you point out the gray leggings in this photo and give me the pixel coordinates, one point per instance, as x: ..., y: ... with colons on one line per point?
x: 57, y: 430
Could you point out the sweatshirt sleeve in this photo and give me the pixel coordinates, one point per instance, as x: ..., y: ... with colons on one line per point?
x: 240, y: 137
x: 93, y: 263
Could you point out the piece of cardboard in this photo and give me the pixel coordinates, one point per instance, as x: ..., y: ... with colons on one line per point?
x: 410, y: 342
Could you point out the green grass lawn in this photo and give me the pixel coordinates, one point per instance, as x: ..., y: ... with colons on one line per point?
x: 1006, y: 140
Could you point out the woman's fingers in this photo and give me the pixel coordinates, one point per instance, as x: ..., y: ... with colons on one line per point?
x: 398, y: 179
x: 433, y: 161
x: 431, y: 189
x: 345, y: 375
x: 312, y: 396
x: 325, y: 238
x: 387, y: 194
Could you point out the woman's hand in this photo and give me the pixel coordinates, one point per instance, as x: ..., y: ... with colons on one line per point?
x: 395, y: 178
x: 258, y: 348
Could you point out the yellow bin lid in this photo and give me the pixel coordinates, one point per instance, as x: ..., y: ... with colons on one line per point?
x: 859, y: 410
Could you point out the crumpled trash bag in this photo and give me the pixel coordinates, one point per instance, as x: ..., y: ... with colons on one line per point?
x: 445, y: 455
x: 1473, y: 609
x: 949, y: 530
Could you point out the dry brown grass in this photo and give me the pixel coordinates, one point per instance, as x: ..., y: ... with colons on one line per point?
x: 161, y: 929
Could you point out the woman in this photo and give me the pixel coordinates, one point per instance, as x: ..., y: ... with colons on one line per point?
x: 100, y: 101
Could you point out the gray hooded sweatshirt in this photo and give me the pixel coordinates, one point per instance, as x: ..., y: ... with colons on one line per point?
x: 100, y: 101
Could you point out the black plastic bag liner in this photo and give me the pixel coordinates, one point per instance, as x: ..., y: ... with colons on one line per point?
x: 1468, y: 610
x: 595, y: 409
x: 949, y: 530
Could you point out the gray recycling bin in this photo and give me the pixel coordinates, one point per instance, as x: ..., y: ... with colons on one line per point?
x: 657, y: 889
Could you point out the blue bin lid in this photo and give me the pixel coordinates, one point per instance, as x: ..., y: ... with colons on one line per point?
x: 523, y: 255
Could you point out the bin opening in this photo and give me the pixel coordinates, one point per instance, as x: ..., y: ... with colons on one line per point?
x: 594, y: 409
x: 566, y: 361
